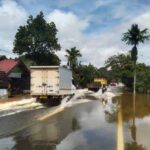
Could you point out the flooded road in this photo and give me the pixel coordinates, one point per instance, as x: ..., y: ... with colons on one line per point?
x: 93, y: 125
x: 136, y: 121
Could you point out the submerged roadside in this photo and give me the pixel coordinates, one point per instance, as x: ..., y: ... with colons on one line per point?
x: 15, y: 98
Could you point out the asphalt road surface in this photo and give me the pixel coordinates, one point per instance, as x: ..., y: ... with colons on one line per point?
x: 94, y: 124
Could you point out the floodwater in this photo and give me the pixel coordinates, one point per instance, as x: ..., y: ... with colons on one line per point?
x: 136, y: 121
x: 85, y: 126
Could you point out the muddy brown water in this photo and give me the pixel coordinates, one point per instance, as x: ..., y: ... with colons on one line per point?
x: 86, y: 126
x: 136, y: 121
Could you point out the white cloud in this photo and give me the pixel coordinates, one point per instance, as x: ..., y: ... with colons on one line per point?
x: 95, y: 49
x: 68, y: 23
x: 70, y: 28
x: 143, y: 20
x: 12, y: 16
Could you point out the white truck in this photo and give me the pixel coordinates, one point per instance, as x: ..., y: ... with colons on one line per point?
x: 51, y: 82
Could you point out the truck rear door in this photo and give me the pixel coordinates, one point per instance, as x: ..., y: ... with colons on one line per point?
x: 52, y: 78
x: 36, y: 81
x: 44, y: 81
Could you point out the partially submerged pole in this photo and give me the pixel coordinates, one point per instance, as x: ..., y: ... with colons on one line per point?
x: 134, y: 84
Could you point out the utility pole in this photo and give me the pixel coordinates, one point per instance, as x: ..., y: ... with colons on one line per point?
x: 134, y: 84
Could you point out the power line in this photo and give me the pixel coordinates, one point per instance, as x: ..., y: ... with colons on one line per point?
x: 6, y: 51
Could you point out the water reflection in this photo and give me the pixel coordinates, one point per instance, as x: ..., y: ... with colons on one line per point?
x: 142, y: 105
x: 89, y: 126
x: 136, y: 118
x: 94, y: 131
x: 75, y: 124
x: 134, y: 145
x: 112, y: 111
x: 7, y: 143
x: 82, y: 127
x: 134, y: 115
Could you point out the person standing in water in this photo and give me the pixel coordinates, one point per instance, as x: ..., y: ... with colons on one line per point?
x: 104, y: 99
x: 104, y: 89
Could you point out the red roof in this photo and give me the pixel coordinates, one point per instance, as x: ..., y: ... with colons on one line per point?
x: 8, y: 64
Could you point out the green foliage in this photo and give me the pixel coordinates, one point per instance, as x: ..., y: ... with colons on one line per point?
x: 103, y: 72
x: 72, y: 57
x: 134, y: 36
x: 121, y: 68
x: 143, y: 78
x: 52, y: 60
x: 85, y: 74
x: 2, y: 57
x: 27, y: 61
x: 37, y: 41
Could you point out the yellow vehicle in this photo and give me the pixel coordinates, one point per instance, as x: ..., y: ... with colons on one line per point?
x: 102, y: 81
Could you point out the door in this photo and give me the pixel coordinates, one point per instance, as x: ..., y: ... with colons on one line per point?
x: 52, y: 78
x: 44, y: 81
x: 36, y: 81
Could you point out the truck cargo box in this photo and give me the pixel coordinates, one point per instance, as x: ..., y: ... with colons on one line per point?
x: 51, y: 81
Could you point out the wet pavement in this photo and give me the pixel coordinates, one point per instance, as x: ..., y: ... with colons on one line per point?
x: 85, y: 126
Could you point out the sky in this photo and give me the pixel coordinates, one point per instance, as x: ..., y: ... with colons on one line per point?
x: 95, y: 27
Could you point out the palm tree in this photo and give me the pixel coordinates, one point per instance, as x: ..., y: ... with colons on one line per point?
x: 72, y: 57
x: 134, y: 37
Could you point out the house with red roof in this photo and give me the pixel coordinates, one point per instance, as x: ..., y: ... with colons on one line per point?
x: 16, y: 73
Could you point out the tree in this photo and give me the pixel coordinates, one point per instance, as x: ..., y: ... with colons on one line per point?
x: 37, y: 41
x: 86, y: 74
x: 143, y: 78
x: 134, y: 37
x: 72, y: 57
x: 2, y: 57
x: 121, y: 68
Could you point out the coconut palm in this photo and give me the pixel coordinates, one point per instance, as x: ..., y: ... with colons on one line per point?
x: 72, y: 57
x: 134, y: 37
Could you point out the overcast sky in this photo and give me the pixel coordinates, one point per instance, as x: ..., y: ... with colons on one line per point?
x: 93, y: 26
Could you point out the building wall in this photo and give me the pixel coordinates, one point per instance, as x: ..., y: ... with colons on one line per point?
x: 3, y: 93
x: 19, y: 79
x: 3, y: 80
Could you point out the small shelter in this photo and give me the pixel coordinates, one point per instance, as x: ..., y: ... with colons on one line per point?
x: 17, y: 74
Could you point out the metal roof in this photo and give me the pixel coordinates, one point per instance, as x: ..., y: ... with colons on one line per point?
x: 44, y: 67
x: 48, y: 67
x: 8, y: 64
